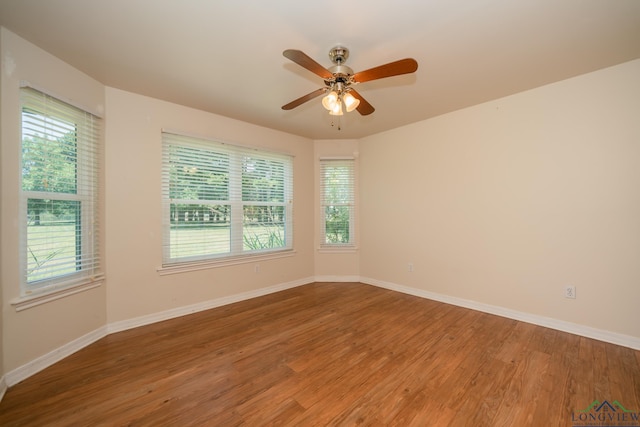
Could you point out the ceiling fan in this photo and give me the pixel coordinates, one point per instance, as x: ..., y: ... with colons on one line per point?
x: 340, y: 79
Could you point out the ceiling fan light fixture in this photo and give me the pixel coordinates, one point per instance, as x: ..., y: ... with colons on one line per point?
x: 339, y: 78
x: 350, y: 102
x: 330, y: 100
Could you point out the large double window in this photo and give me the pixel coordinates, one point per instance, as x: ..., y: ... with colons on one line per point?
x: 59, y: 194
x: 222, y: 200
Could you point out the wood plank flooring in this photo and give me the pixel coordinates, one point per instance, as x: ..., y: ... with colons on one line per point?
x: 329, y: 354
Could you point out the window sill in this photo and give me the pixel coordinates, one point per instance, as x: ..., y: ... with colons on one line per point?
x: 205, y: 265
x: 337, y: 249
x: 44, y: 296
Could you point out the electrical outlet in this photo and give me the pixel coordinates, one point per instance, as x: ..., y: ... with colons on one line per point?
x: 410, y: 267
x: 256, y: 268
x: 570, y: 292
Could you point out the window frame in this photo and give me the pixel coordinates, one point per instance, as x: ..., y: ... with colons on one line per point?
x: 43, y: 108
x: 237, y: 252
x: 351, y: 203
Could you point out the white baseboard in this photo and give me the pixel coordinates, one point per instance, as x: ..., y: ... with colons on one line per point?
x: 44, y: 361
x: 123, y: 325
x: 337, y: 279
x: 23, y: 372
x: 3, y: 387
x: 560, y: 325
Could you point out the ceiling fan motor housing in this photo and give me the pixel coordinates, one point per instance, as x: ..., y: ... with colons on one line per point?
x: 341, y: 73
x: 339, y: 55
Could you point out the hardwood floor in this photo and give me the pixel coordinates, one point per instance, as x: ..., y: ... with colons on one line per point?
x: 330, y: 354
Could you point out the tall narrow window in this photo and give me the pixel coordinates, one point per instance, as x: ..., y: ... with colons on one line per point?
x: 337, y: 189
x: 59, y: 192
x: 222, y: 200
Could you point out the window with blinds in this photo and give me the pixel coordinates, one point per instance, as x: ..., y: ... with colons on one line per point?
x: 222, y: 200
x: 337, y: 193
x: 59, y: 194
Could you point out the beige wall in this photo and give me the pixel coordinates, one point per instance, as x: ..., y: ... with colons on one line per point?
x: 34, y: 332
x: 506, y: 202
x: 133, y: 208
x: 334, y: 265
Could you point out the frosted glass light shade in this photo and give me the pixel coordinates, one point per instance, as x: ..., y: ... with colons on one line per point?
x: 350, y: 102
x: 337, y: 109
x: 329, y: 102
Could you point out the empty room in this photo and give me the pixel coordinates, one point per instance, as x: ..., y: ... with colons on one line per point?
x: 409, y: 213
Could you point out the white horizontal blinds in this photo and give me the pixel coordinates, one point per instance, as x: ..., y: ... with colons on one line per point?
x: 222, y: 200
x: 337, y: 189
x: 197, y: 202
x: 266, y: 201
x: 60, y: 150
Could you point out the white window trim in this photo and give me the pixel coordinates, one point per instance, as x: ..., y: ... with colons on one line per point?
x: 352, y: 246
x: 186, y: 267
x: 55, y: 292
x: 72, y: 102
x: 235, y: 257
x: 46, y: 290
x: 338, y: 249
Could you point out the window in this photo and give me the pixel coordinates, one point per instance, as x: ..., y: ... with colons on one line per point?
x: 222, y: 200
x: 59, y: 194
x: 337, y: 190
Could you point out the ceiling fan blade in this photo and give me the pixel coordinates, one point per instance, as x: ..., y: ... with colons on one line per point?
x: 303, y: 99
x: 364, y: 107
x: 305, y: 61
x: 403, y: 66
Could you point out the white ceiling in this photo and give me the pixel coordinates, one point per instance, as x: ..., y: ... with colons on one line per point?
x: 225, y: 56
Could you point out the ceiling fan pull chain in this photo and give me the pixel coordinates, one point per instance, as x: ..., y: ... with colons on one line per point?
x: 333, y: 124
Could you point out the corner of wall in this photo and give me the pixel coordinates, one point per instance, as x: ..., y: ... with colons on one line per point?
x: 3, y: 385
x: 333, y: 266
